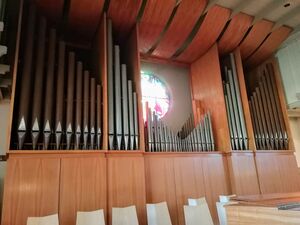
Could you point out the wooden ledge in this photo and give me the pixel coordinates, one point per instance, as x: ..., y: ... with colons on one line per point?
x: 124, y: 153
x: 278, y: 152
x: 184, y: 154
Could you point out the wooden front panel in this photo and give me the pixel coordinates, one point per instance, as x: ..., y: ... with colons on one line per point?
x: 206, y: 82
x: 82, y: 186
x: 126, y: 183
x: 215, y: 174
x: 277, y: 172
x: 160, y: 183
x: 189, y: 182
x: 174, y: 178
x: 243, y: 176
x: 31, y: 189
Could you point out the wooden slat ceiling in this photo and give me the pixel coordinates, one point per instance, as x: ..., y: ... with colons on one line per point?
x: 211, y: 27
x: 234, y: 33
x: 183, y: 30
x: 255, y: 37
x: 153, y: 21
x: 269, y: 46
x: 180, y: 28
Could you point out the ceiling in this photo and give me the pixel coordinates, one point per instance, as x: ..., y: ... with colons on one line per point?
x: 183, y: 30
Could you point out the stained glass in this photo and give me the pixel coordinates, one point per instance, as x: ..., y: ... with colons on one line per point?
x: 155, y: 92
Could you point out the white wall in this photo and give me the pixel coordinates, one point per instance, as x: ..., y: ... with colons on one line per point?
x: 4, y: 118
x: 178, y: 82
x: 289, y: 63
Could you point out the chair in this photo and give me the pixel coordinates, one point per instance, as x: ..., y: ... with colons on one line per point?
x: 90, y: 218
x: 124, y: 216
x: 198, y: 201
x: 195, y: 215
x: 45, y: 220
x: 158, y: 214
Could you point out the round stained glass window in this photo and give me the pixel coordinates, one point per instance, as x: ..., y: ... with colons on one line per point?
x: 154, y: 91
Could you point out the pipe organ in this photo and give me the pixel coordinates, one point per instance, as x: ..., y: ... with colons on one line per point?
x: 77, y: 137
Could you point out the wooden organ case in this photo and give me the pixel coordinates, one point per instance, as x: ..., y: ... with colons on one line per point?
x: 56, y: 171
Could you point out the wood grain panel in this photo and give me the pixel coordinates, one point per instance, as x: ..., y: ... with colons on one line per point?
x: 160, y: 183
x: 206, y: 83
x: 126, y: 183
x: 132, y: 59
x: 258, y: 33
x: 243, y: 176
x: 207, y: 34
x: 155, y: 17
x: 244, y: 98
x: 189, y: 182
x: 52, y: 9
x: 234, y: 33
x: 269, y: 46
x: 84, y: 17
x: 82, y: 186
x: 215, y: 181
x: 182, y: 24
x: 99, y: 58
x: 277, y: 172
x: 123, y: 15
x: 31, y: 189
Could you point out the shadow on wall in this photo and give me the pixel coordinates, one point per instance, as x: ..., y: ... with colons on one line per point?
x: 4, y: 119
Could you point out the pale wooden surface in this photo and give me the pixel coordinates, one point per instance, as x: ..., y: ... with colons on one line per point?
x: 262, y: 210
x: 244, y: 215
x: 90, y: 218
x: 195, y: 215
x: 158, y: 214
x: 44, y: 220
x: 124, y: 216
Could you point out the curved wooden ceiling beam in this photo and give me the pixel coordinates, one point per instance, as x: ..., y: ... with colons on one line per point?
x: 85, y: 22
x: 255, y: 37
x: 234, y: 33
x: 207, y: 34
x: 52, y: 9
x: 155, y: 17
x: 182, y: 24
x: 123, y: 14
x: 269, y: 46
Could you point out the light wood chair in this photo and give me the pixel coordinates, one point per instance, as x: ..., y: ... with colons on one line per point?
x: 198, y: 201
x: 45, y: 220
x: 124, y: 216
x: 90, y: 218
x: 158, y: 214
x: 195, y: 215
